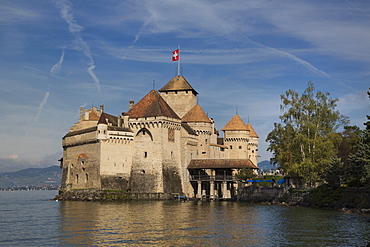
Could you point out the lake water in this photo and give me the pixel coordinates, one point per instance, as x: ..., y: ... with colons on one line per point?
x: 28, y: 218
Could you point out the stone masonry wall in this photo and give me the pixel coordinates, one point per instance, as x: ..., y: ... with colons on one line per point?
x: 260, y: 194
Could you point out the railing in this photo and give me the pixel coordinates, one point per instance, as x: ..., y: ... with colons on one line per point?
x: 213, y: 178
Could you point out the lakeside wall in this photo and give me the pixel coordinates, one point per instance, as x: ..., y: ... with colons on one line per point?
x: 100, y: 195
x: 259, y: 194
x: 353, y: 198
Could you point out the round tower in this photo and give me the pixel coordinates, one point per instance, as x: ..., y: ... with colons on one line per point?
x: 236, y: 137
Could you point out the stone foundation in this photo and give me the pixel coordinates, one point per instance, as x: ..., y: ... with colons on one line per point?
x: 100, y: 195
x: 259, y: 194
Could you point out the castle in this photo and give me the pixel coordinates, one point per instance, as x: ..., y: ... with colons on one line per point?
x: 163, y: 144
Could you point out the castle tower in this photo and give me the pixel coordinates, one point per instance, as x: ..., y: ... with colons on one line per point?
x: 252, y: 144
x: 179, y: 95
x: 236, y: 137
x: 197, y: 119
x: 156, y: 161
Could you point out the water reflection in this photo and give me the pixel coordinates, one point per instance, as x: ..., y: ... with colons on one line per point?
x: 169, y: 223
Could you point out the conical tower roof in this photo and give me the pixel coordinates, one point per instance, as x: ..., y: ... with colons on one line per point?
x: 236, y: 123
x: 178, y: 83
x: 196, y: 114
x: 252, y: 133
x: 152, y: 105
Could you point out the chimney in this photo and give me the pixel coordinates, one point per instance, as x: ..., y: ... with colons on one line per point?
x: 82, y: 111
x: 132, y: 103
x: 125, y: 121
x: 119, y: 121
x: 101, y: 108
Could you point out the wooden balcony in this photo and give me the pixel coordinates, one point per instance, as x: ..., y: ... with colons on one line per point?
x: 213, y: 178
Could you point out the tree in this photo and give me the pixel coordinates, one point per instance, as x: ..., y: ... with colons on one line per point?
x: 358, y: 169
x: 305, y: 141
x: 245, y: 174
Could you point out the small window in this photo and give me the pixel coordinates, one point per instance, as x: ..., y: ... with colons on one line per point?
x: 231, y: 147
x: 87, y: 177
x: 240, y: 147
x: 145, y: 154
x: 142, y: 171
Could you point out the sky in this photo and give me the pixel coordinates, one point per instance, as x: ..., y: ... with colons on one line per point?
x: 239, y: 55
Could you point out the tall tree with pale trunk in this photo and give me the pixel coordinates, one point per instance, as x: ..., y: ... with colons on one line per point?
x: 306, y: 140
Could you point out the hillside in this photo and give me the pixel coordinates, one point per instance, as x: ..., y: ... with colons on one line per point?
x: 32, y: 177
x: 265, y: 165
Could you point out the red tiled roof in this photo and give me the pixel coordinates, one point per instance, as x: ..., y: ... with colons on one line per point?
x: 252, y: 133
x: 221, y: 163
x: 236, y: 123
x: 178, y: 83
x: 152, y: 105
x: 196, y: 114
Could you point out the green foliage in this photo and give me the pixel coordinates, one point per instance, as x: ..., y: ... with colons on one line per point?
x: 325, y: 194
x: 245, y: 174
x: 305, y: 141
x: 358, y: 169
x: 358, y: 165
x: 335, y: 173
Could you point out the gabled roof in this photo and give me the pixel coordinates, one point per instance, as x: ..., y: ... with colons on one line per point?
x: 252, y: 133
x: 152, y: 105
x: 178, y: 83
x: 236, y: 123
x: 221, y: 164
x: 196, y: 114
x: 93, y: 116
x: 113, y: 122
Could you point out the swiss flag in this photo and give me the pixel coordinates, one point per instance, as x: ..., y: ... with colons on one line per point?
x: 175, y: 55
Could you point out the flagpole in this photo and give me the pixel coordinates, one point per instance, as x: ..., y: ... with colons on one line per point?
x: 178, y: 61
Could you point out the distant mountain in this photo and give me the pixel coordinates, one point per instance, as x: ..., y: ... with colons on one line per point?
x: 32, y: 177
x: 265, y: 165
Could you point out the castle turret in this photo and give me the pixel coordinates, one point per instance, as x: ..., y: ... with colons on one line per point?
x: 203, y: 126
x: 102, y: 127
x: 252, y: 144
x: 236, y: 137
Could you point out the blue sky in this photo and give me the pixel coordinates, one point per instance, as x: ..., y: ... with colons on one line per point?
x: 240, y: 55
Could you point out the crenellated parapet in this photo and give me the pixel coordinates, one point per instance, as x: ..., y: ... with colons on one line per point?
x: 166, y: 123
x: 236, y: 139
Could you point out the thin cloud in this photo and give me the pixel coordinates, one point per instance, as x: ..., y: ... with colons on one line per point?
x: 304, y: 63
x: 41, y: 107
x: 65, y: 8
x: 55, y: 70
